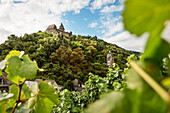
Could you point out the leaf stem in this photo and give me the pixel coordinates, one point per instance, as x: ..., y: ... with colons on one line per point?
x: 8, y: 79
x: 160, y: 91
x: 19, y: 98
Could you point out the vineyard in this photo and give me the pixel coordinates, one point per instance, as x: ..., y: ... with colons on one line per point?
x: 139, y: 84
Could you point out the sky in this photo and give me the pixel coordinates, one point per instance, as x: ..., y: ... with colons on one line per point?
x: 83, y: 17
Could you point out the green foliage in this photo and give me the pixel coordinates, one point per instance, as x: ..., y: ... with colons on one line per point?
x: 113, y: 102
x: 4, y: 101
x: 95, y: 86
x: 41, y: 97
x: 44, y: 98
x: 63, y: 59
x: 140, y: 17
x: 19, y: 71
x: 67, y: 104
x: 69, y: 85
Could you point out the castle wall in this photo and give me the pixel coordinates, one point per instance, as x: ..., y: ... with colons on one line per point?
x: 54, y: 30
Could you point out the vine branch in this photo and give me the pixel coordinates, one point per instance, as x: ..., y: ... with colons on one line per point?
x: 19, y: 98
x: 160, y: 91
x: 8, y: 79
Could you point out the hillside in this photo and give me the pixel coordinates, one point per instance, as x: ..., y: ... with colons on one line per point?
x: 63, y: 58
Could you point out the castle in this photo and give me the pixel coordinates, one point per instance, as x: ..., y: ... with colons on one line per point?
x: 53, y: 29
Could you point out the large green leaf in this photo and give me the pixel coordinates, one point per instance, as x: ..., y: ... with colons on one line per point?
x: 129, y: 101
x: 13, y: 53
x: 156, y: 48
x: 114, y: 102
x: 142, y: 16
x: 48, y: 91
x: 25, y: 91
x: 44, y: 98
x: 4, y: 101
x: 149, y: 101
x: 14, y: 65
x: 25, y: 94
x: 146, y: 101
x: 19, y: 71
x: 28, y: 68
x: 13, y: 69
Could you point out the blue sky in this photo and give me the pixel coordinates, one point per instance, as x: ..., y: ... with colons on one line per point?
x: 83, y: 17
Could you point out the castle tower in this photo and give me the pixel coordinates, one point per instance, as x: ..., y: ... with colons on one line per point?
x: 110, y: 59
x: 52, y: 29
x: 61, y: 27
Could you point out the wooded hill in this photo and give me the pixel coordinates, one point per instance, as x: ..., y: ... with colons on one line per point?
x: 64, y: 58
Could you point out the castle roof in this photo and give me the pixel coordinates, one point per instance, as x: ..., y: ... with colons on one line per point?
x: 53, y: 26
x: 61, y: 26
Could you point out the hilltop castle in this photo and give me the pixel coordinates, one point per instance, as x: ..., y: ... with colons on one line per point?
x: 53, y: 29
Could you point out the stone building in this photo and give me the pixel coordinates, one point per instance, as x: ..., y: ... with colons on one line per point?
x: 110, y: 59
x: 4, y: 84
x: 53, y: 29
x: 78, y: 85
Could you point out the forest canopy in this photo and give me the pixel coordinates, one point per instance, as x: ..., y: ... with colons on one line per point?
x: 65, y: 58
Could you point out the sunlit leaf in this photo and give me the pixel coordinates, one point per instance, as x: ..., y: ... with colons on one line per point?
x: 13, y: 69
x: 13, y: 53
x: 28, y: 68
x: 142, y: 16
x: 113, y: 102
x: 4, y: 101
x: 44, y: 99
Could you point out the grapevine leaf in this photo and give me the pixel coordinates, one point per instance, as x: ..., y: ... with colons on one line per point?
x: 4, y: 96
x: 22, y: 109
x: 14, y: 65
x: 142, y: 103
x: 4, y: 101
x: 156, y: 49
x: 149, y: 16
x: 48, y: 91
x: 134, y: 80
x: 28, y: 68
x: 25, y: 92
x: 113, y: 102
x: 142, y: 16
x: 13, y: 53
x: 130, y: 101
x: 44, y: 99
x: 13, y: 69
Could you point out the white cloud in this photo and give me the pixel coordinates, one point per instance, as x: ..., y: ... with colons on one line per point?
x: 129, y: 41
x: 97, y: 4
x: 93, y: 25
x: 112, y: 8
x: 32, y: 15
x: 3, y: 33
x: 112, y: 28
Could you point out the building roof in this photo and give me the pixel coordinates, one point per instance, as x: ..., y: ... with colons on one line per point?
x: 53, y: 26
x: 61, y: 26
x: 49, y: 81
